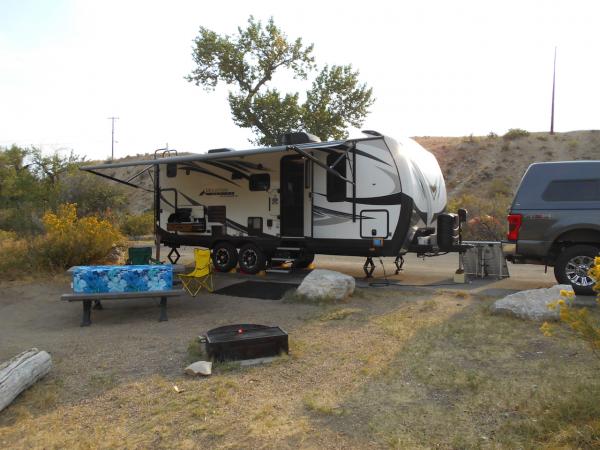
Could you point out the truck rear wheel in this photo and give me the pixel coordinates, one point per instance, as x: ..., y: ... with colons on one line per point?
x: 572, y: 266
x: 252, y: 259
x: 224, y: 256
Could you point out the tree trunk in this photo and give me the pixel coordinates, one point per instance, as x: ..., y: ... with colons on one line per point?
x: 20, y: 372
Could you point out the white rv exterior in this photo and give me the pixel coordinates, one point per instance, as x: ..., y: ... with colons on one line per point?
x: 315, y: 197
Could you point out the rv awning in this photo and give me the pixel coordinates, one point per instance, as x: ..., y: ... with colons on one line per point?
x: 302, y: 149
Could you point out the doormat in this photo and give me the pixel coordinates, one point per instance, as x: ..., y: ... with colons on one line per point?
x: 264, y: 290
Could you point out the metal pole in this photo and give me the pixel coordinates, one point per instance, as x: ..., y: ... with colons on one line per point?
x: 112, y: 147
x: 553, y: 87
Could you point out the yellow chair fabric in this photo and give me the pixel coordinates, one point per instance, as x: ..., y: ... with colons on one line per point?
x: 201, y: 276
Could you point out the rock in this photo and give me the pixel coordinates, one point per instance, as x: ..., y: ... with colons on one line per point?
x: 199, y: 368
x: 531, y: 304
x: 326, y: 285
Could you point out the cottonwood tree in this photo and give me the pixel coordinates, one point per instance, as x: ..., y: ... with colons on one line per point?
x: 248, y: 61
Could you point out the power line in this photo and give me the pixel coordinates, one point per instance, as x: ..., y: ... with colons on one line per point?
x: 112, y: 148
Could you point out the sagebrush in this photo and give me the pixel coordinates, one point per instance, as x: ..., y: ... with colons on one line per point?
x: 138, y: 224
x: 68, y: 240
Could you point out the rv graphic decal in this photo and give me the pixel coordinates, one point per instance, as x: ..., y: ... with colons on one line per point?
x: 162, y: 197
x: 245, y: 165
x: 235, y: 173
x: 193, y: 167
x: 219, y: 192
x: 325, y: 216
x: 242, y: 229
x: 393, y: 176
x: 189, y: 199
x: 358, y: 152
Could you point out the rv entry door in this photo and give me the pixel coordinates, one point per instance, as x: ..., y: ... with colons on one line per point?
x: 292, y: 196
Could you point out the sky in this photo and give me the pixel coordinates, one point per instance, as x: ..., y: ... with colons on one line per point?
x: 437, y: 68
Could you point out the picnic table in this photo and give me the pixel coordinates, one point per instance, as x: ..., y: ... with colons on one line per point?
x: 87, y: 299
x: 96, y: 297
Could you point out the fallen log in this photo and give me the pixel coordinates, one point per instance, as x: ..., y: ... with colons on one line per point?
x: 20, y: 372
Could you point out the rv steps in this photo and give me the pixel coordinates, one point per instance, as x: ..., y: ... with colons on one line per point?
x: 276, y: 270
x: 285, y: 258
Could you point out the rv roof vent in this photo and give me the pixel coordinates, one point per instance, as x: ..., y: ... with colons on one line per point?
x: 372, y: 133
x: 220, y: 150
x: 298, y: 137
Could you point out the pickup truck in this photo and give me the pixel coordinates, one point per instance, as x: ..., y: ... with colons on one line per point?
x: 554, y: 220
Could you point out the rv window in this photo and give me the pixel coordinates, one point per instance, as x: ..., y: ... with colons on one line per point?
x: 255, y: 226
x: 260, y: 182
x: 336, y: 187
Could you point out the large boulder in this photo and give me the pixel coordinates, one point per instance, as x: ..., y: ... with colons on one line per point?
x: 531, y: 304
x: 326, y: 285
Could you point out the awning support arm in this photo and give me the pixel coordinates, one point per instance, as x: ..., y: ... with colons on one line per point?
x: 319, y: 163
x: 139, y: 173
x: 117, y: 180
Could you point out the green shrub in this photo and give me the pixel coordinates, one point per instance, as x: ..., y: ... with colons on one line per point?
x: 14, y: 255
x: 487, y: 215
x: 515, y: 133
x: 91, y: 194
x: 138, y: 225
x: 71, y: 241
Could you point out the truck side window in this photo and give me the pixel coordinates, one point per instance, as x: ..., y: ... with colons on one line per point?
x: 572, y: 191
x: 336, y: 187
x: 260, y: 182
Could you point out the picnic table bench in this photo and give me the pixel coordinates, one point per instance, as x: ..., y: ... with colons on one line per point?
x: 87, y: 299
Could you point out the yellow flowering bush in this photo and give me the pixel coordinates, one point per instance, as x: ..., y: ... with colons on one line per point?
x: 70, y: 240
x: 578, y: 320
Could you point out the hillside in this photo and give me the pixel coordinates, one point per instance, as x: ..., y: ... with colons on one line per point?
x: 485, y: 165
x: 473, y: 164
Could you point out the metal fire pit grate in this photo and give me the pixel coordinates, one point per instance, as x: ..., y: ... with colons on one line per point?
x: 245, y: 341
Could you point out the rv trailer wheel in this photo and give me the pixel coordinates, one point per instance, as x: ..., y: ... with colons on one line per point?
x: 224, y: 256
x: 252, y: 259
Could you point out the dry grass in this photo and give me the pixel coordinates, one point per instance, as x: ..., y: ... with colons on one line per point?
x: 339, y: 314
x: 392, y: 370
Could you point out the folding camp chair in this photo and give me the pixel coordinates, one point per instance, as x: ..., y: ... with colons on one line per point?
x: 201, y: 276
x: 140, y: 256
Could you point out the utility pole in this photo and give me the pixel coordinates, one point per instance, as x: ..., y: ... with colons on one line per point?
x: 553, y: 86
x: 112, y: 147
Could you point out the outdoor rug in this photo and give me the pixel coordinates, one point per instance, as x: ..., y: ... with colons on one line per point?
x: 264, y: 290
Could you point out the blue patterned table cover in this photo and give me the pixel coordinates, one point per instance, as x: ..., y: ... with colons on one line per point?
x: 95, y: 279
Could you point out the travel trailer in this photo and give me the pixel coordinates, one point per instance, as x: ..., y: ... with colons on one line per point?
x: 370, y: 196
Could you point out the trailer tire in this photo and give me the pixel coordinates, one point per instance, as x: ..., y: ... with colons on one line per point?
x: 252, y: 259
x: 224, y: 256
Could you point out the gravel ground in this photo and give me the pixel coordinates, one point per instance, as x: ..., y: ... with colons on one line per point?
x: 125, y: 339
